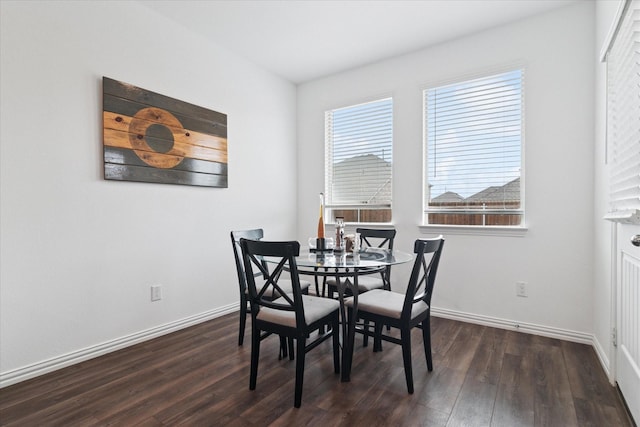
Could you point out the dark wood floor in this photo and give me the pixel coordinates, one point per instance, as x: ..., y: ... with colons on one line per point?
x: 200, y: 377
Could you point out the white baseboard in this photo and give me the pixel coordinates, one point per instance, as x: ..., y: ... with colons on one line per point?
x: 50, y: 365
x: 529, y: 328
x: 604, y: 359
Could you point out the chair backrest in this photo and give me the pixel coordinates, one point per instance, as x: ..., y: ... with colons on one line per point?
x: 377, y: 238
x: 423, y: 274
x: 282, y: 255
x: 253, y: 234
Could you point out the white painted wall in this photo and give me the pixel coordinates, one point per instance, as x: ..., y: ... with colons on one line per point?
x: 78, y: 254
x: 478, y: 273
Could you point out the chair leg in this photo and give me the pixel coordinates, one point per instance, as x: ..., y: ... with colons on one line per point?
x: 365, y: 339
x: 315, y: 279
x: 255, y: 356
x: 387, y: 287
x: 377, y: 337
x: 283, y: 348
x: 405, y: 336
x: 299, y: 371
x: 426, y: 339
x: 243, y: 321
x: 291, y: 354
x: 335, y: 332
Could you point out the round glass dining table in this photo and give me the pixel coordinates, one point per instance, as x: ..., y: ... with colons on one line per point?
x: 345, y: 267
x: 367, y: 258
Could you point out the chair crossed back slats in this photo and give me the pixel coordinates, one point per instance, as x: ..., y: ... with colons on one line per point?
x: 286, y: 267
x: 377, y: 238
x: 423, y: 274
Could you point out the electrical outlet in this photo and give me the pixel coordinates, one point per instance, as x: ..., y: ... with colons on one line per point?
x: 156, y: 292
x: 521, y: 289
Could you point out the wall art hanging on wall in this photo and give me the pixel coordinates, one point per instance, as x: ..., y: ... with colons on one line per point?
x: 150, y: 137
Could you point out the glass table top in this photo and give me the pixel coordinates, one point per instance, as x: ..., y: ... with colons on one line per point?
x: 365, y: 258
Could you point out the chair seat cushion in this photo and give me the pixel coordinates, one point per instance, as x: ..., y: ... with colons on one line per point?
x: 315, y: 308
x: 385, y: 303
x: 285, y: 284
x: 365, y: 283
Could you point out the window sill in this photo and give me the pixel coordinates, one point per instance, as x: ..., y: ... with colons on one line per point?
x: 471, y: 230
x: 363, y: 224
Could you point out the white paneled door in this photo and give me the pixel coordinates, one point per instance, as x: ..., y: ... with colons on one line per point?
x: 622, y: 54
x: 628, y: 316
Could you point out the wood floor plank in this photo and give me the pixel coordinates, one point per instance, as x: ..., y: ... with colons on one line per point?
x: 553, y: 402
x: 514, y: 404
x: 474, y: 405
x: 443, y: 389
x: 422, y: 415
x: 462, y: 350
x: 199, y: 376
x: 443, y: 335
x: 594, y: 414
x: 518, y: 343
x: 95, y: 371
x: 312, y: 416
x: 170, y: 392
x: 487, y: 361
x: 586, y: 383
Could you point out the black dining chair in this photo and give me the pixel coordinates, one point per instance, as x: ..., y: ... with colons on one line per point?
x: 252, y: 234
x: 404, y: 311
x: 374, y: 238
x: 293, y: 315
x: 369, y: 238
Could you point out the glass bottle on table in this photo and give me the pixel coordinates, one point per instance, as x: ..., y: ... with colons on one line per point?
x: 340, y: 233
x: 320, y: 240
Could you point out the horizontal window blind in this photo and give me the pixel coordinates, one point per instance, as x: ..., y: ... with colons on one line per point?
x: 623, y: 118
x: 359, y: 154
x: 473, y: 135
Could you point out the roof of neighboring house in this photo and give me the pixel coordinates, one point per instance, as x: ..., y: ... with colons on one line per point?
x: 366, y: 160
x: 448, y: 197
x: 507, y: 192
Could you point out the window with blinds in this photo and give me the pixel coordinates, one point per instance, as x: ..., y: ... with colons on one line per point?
x: 473, y: 151
x: 623, y: 117
x: 358, y: 160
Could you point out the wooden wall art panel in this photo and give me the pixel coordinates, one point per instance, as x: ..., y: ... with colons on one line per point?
x: 150, y: 137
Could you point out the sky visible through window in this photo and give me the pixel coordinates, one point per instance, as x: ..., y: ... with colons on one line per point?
x: 363, y: 129
x: 474, y: 131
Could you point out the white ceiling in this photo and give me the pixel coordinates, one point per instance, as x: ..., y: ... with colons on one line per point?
x: 303, y: 40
